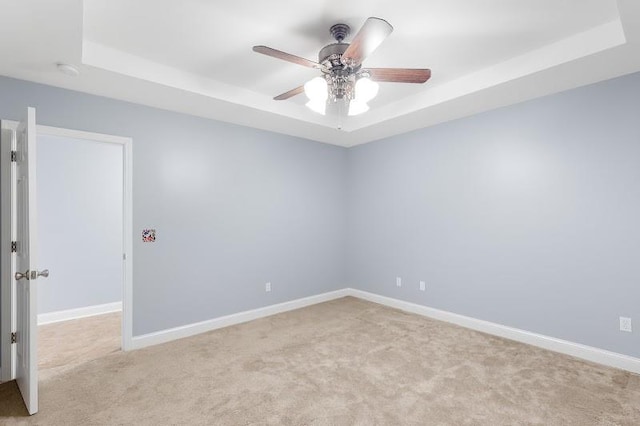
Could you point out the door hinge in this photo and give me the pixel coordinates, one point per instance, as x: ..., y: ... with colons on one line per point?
x: 14, y: 246
x: 14, y: 156
x: 14, y: 337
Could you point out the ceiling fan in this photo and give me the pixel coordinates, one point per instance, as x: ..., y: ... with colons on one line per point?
x: 344, y: 81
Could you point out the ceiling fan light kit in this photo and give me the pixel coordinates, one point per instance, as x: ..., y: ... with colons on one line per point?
x: 317, y: 106
x: 366, y: 89
x: 343, y: 78
x: 316, y: 89
x: 357, y: 107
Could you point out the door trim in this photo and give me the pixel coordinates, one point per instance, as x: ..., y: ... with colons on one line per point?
x: 127, y: 205
x: 127, y: 229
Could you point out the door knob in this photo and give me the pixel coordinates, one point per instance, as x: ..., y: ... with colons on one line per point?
x: 31, y: 275
x: 19, y: 275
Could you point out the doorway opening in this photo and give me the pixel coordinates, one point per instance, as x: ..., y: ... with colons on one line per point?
x: 80, y: 199
x: 59, y: 303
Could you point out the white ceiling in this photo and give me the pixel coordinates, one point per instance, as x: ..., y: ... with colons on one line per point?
x: 195, y: 56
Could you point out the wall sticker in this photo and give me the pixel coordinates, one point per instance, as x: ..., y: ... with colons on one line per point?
x: 148, y: 235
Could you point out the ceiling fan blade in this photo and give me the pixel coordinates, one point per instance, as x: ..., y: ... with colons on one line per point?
x: 286, y: 56
x: 370, y: 36
x: 399, y: 75
x: 291, y: 93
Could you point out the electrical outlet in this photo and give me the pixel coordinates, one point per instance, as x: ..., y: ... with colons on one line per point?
x: 398, y: 282
x: 423, y: 286
x: 267, y: 287
x: 625, y: 324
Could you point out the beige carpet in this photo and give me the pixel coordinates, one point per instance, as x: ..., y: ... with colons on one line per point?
x: 345, y: 362
x: 64, y: 345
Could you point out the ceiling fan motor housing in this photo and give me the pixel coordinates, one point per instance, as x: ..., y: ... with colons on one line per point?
x: 330, y: 55
x: 335, y: 72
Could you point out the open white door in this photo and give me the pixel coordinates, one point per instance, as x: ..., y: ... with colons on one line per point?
x: 7, y: 261
x: 26, y: 273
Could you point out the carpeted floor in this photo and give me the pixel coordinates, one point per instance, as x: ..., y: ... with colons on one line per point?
x: 67, y: 344
x: 345, y: 362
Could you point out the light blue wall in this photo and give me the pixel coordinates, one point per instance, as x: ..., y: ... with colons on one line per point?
x: 526, y: 216
x: 79, y: 198
x: 234, y: 207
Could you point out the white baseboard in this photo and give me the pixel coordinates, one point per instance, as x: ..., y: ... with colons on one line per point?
x: 87, y: 311
x: 589, y: 353
x: 233, y: 319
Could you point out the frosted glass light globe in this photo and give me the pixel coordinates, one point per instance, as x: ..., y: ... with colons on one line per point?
x: 319, y: 106
x: 316, y: 89
x: 366, y: 89
x: 357, y: 107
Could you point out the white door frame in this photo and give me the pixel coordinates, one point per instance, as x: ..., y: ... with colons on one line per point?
x: 127, y: 237
x: 127, y: 207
